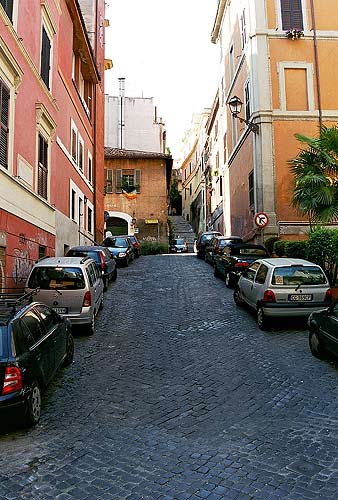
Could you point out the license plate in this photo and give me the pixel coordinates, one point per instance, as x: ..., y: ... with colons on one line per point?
x: 299, y: 297
x: 179, y: 251
x: 61, y: 310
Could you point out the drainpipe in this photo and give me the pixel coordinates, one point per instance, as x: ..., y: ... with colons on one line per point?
x: 315, y: 50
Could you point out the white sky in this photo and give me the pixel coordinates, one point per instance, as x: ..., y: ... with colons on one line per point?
x: 163, y: 49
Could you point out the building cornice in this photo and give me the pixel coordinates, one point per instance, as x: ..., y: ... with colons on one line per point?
x: 218, y: 20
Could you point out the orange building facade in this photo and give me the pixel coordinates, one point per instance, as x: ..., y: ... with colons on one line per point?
x: 279, y: 57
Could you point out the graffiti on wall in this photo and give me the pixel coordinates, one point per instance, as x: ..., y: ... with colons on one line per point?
x: 21, y: 265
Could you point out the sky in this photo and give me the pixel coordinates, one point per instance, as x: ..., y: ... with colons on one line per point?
x: 163, y: 49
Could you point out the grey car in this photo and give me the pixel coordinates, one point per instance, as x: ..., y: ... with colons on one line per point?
x: 72, y: 286
x: 282, y: 287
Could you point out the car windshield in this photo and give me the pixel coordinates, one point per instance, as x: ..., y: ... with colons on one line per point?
x: 115, y: 242
x: 249, y: 251
x: 207, y: 237
x: 57, y: 278
x: 178, y: 242
x: 298, y: 275
x: 84, y: 253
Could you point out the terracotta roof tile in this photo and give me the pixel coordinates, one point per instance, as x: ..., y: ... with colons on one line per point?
x: 132, y: 153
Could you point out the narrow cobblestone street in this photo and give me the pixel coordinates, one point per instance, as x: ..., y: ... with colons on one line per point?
x: 180, y: 396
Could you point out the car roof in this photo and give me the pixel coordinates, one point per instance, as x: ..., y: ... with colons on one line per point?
x: 248, y: 245
x: 62, y: 261
x: 284, y: 261
x: 84, y: 248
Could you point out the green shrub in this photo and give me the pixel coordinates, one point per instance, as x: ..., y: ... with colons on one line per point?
x: 279, y: 248
x: 171, y: 230
x: 269, y: 242
x: 296, y: 249
x: 149, y: 248
x: 323, y: 250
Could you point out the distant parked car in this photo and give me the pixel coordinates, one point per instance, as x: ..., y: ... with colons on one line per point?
x: 121, y: 248
x: 232, y: 260
x: 102, y: 257
x: 179, y: 245
x: 216, y: 245
x: 134, y: 243
x: 34, y: 342
x: 323, y: 332
x: 202, y: 240
x: 283, y: 287
x: 72, y: 286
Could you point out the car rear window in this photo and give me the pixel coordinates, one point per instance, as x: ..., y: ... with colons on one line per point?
x: 298, y: 275
x: 248, y: 251
x: 178, y: 242
x: 57, y: 278
x: 207, y: 237
x: 85, y: 253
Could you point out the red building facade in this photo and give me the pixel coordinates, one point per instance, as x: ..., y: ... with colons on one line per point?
x: 51, y: 110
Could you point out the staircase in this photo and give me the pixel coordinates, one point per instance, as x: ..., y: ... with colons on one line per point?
x: 182, y: 229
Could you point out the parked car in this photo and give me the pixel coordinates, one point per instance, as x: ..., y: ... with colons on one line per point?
x: 202, y: 240
x: 283, y: 287
x: 323, y: 331
x: 135, y: 244
x: 216, y: 244
x: 102, y: 257
x: 232, y: 260
x: 121, y: 248
x: 35, y: 342
x: 72, y: 286
x: 178, y: 245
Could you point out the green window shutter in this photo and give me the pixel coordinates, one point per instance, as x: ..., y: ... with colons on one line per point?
x: 4, y: 120
x: 45, y: 57
x: 109, y: 181
x: 119, y: 181
x: 137, y: 180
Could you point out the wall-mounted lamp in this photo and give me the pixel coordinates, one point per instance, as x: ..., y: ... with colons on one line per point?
x: 235, y: 106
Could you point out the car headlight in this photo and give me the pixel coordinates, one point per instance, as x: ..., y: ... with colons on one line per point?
x: 122, y: 254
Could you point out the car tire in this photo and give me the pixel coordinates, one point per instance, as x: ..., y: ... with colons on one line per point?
x: 105, y: 283
x: 238, y: 297
x: 114, y: 275
x: 91, y: 326
x: 316, y: 346
x: 101, y: 303
x: 216, y: 271
x: 262, y: 320
x: 70, y: 351
x: 33, y: 405
x: 229, y: 281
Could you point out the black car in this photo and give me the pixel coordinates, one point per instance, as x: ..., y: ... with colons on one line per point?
x: 216, y: 245
x: 202, y: 241
x: 135, y: 244
x: 121, y: 248
x: 102, y: 257
x: 230, y: 262
x: 34, y: 343
x: 323, y: 332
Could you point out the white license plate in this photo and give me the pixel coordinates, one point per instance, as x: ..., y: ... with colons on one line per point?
x: 300, y: 297
x: 61, y: 310
x: 179, y: 251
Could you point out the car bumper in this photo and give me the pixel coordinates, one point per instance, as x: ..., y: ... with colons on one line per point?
x: 12, y: 404
x: 79, y: 319
x: 274, y: 310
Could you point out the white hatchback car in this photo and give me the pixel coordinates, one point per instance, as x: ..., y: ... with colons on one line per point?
x: 282, y: 287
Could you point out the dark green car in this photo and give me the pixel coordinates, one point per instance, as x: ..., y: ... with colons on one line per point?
x: 323, y: 331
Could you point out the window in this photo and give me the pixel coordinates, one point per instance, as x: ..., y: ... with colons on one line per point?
x: 292, y: 15
x: 128, y: 180
x: 231, y: 63
x: 90, y: 220
x: 261, y: 274
x: 33, y: 323
x: 221, y: 186
x: 74, y: 143
x: 8, y: 7
x: 109, y: 181
x: 80, y: 212
x: 243, y: 29
x: 42, y: 251
x: 43, y: 167
x: 49, y: 317
x: 81, y: 153
x: 45, y: 57
x: 247, y: 100
x: 73, y: 196
x: 190, y: 189
x: 4, y: 120
x: 251, y: 189
x: 90, y: 168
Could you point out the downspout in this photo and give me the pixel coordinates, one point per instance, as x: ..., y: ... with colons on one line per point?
x: 94, y: 129
x: 315, y: 50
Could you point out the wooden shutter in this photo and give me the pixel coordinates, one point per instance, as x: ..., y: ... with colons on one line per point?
x: 4, y: 118
x: 43, y: 167
x: 118, y: 181
x: 109, y: 181
x: 292, y: 15
x: 137, y: 180
x: 45, y: 57
x: 8, y: 7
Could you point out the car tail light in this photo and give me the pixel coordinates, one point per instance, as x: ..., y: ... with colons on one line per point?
x: 87, y: 301
x: 12, y: 380
x: 242, y: 264
x: 102, y: 262
x: 328, y: 295
x: 269, y: 296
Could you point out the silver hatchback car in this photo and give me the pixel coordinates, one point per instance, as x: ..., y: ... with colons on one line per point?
x: 282, y: 287
x: 72, y: 286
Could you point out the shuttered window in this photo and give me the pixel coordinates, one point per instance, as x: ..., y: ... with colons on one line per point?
x: 251, y: 189
x: 4, y: 120
x: 292, y: 15
x: 43, y: 167
x: 119, y: 181
x: 8, y: 7
x: 127, y: 180
x: 45, y: 57
x: 109, y: 181
x: 247, y: 101
x: 138, y: 180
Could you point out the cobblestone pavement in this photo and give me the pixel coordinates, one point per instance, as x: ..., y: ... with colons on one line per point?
x: 179, y: 396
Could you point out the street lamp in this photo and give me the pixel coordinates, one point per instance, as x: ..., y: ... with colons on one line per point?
x: 235, y: 106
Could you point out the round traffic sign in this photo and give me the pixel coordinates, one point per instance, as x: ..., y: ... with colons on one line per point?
x: 261, y: 219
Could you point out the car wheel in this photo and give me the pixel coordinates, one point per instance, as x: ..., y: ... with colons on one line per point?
x: 33, y: 408
x: 101, y: 303
x: 114, y: 275
x: 105, y: 283
x: 229, y: 280
x: 91, y: 326
x: 216, y: 271
x: 316, y: 346
x: 70, y: 351
x: 262, y: 320
x: 238, y: 297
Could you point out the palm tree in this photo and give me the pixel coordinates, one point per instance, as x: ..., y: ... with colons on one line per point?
x: 315, y: 169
